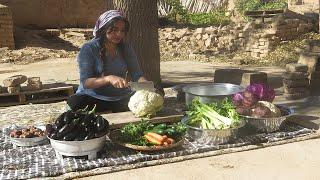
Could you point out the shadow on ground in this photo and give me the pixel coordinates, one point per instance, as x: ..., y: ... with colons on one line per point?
x: 40, y: 38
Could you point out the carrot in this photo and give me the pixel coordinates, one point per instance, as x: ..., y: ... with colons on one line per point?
x: 170, y: 140
x: 156, y: 136
x: 153, y: 140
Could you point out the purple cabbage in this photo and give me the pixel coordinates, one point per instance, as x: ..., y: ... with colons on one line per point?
x: 262, y: 91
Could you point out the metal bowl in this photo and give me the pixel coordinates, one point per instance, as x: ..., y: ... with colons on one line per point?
x: 268, y: 125
x: 208, y: 93
x: 78, y: 148
x: 211, y: 136
x: 35, y: 141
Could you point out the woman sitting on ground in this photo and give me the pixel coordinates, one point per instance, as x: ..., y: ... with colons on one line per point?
x: 105, y: 64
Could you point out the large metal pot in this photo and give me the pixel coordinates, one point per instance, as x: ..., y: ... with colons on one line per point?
x: 208, y: 93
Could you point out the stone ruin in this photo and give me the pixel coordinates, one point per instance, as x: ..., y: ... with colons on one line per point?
x: 255, y: 38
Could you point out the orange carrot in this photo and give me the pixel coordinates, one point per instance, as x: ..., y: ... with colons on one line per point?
x: 156, y: 136
x: 152, y: 139
x: 170, y: 140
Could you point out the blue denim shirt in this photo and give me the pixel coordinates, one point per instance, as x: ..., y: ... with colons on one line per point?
x: 90, y: 65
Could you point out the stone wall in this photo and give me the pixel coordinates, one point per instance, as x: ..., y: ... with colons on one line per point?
x: 255, y: 38
x: 6, y: 28
x: 55, y: 13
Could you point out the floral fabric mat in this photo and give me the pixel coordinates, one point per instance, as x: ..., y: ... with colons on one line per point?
x: 41, y: 161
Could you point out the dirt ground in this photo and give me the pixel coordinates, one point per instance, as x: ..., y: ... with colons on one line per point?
x: 55, y: 62
x: 299, y: 160
x: 296, y: 161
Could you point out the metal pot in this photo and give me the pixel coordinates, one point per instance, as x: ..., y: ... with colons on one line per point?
x: 208, y: 93
x: 78, y: 148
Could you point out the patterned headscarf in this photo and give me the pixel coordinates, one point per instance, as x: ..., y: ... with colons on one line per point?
x: 105, y: 18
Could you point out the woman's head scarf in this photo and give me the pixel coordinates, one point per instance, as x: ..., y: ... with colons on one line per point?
x: 105, y: 18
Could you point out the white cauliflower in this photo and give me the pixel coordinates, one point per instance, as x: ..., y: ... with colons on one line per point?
x: 266, y: 109
x: 145, y: 103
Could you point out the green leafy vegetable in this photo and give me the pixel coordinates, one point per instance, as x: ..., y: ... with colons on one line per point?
x: 220, y: 115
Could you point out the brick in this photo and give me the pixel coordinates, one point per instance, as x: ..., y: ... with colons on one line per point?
x: 314, y: 75
x: 296, y: 83
x: 297, y: 95
x: 309, y: 59
x: 233, y: 76
x: 295, y: 75
x: 296, y: 68
x: 14, y: 80
x: 254, y: 77
x: 288, y: 90
x: 14, y: 89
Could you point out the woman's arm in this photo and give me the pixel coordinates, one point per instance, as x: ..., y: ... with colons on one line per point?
x: 117, y: 82
x: 88, y: 74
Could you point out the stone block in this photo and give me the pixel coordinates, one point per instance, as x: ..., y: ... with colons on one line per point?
x: 296, y: 96
x: 14, y: 89
x: 296, y: 83
x: 233, y: 76
x: 34, y: 86
x: 254, y: 77
x: 314, y: 76
x: 14, y: 80
x: 288, y: 90
x: 296, y: 67
x: 310, y: 60
x: 295, y: 75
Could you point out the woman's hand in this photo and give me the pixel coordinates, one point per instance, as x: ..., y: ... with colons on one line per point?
x: 142, y: 79
x: 116, y: 81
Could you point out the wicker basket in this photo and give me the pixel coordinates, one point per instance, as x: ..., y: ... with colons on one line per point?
x: 268, y: 125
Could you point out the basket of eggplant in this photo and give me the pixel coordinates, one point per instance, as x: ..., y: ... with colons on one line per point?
x: 78, y: 132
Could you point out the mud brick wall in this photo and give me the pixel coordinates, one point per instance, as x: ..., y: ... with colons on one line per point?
x: 55, y: 13
x: 6, y: 28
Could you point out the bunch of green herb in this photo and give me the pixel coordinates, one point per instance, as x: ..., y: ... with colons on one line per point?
x: 216, y: 115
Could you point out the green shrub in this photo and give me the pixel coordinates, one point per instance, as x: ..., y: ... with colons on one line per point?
x: 278, y: 4
x: 180, y: 15
x: 205, y: 19
x: 252, y: 5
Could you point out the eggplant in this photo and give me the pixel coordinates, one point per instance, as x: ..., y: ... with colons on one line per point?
x: 89, y: 136
x: 50, y: 129
x: 69, y: 137
x: 60, y: 120
x: 65, y: 129
x: 69, y: 116
x: 81, y: 136
x: 54, y: 136
x: 102, y: 125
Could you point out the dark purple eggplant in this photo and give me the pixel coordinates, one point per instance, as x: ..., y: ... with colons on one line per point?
x: 54, y: 136
x: 102, y: 124
x: 69, y: 136
x: 89, y: 136
x: 50, y: 129
x: 60, y: 120
x: 65, y: 129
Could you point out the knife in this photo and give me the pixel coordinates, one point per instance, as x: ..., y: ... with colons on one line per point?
x: 145, y: 85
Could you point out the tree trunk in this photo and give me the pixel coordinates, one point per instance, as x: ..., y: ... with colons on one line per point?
x: 143, y: 34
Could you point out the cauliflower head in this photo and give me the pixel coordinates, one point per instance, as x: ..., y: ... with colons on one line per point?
x: 145, y: 103
x: 266, y: 109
